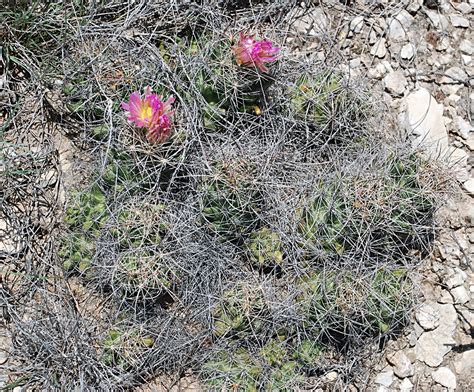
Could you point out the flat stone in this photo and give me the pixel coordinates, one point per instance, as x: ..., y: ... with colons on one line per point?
x: 466, y: 46
x: 459, y: 21
x: 445, y: 377
x: 357, y: 24
x: 454, y: 75
x: 395, y: 83
x: 464, y: 128
x: 439, y: 22
x: 396, y: 31
x: 312, y: 23
x: 469, y: 186
x: 432, y: 346
x: 384, y: 378
x: 379, y: 49
x: 456, y: 278
x: 464, y: 8
x: 460, y: 295
x: 465, y: 364
x: 407, y: 52
x: 406, y: 385
x: 402, y: 366
x: 427, y: 316
x: 424, y: 121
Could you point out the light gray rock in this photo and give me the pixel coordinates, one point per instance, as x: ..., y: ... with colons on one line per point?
x: 379, y: 49
x: 396, y: 32
x: 407, y: 52
x: 357, y: 24
x: 312, y: 23
x: 427, y: 316
x: 384, y: 378
x: 445, y: 377
x: 464, y: 8
x: 433, y: 345
x: 464, y: 128
x: 439, y: 21
x: 469, y: 186
x: 460, y: 295
x: 424, y: 121
x: 395, y: 83
x: 459, y: 21
x: 402, y: 366
x: 465, y: 364
x: 456, y: 278
x: 466, y: 46
x: 414, y: 5
x: 406, y: 385
x: 454, y: 75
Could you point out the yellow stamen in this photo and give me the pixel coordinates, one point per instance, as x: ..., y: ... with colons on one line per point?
x: 146, y: 112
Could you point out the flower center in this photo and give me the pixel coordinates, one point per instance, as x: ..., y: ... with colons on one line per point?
x: 146, y: 111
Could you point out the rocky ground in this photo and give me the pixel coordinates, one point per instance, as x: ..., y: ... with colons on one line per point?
x: 418, y: 55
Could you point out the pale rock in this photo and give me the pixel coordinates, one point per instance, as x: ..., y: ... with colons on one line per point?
x: 466, y: 46
x: 469, y: 186
x: 446, y: 298
x: 433, y: 345
x: 445, y: 59
x: 471, y: 98
x: 414, y: 5
x: 407, y: 52
x: 357, y: 24
x: 438, y: 21
x: 396, y: 32
x: 406, y: 385
x: 454, y: 75
x: 384, y: 378
x: 355, y: 63
x: 445, y: 377
x: 443, y: 44
x: 312, y: 23
x: 466, y: 60
x: 424, y: 121
x: 460, y: 295
x: 395, y: 83
x: 379, y: 49
x: 464, y: 128
x: 402, y: 366
x: 331, y: 376
x: 427, y: 316
x: 456, y: 278
x: 459, y: 21
x: 464, y: 8
x: 465, y: 364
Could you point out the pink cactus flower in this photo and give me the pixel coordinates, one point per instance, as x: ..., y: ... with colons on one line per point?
x: 150, y: 113
x: 250, y: 52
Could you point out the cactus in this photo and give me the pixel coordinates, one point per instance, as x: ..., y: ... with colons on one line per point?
x: 323, y: 220
x: 264, y: 248
x: 307, y: 352
x: 230, y: 202
x: 142, y: 267
x: 238, y: 371
x: 241, y: 312
x: 85, y: 217
x: 122, y: 348
x: 267, y: 370
x: 339, y: 305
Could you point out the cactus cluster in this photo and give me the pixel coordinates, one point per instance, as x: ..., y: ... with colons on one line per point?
x: 231, y: 200
x: 341, y: 305
x: 241, y: 312
x: 85, y: 217
x: 141, y: 234
x: 265, y: 248
x: 276, y: 366
x: 123, y: 347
